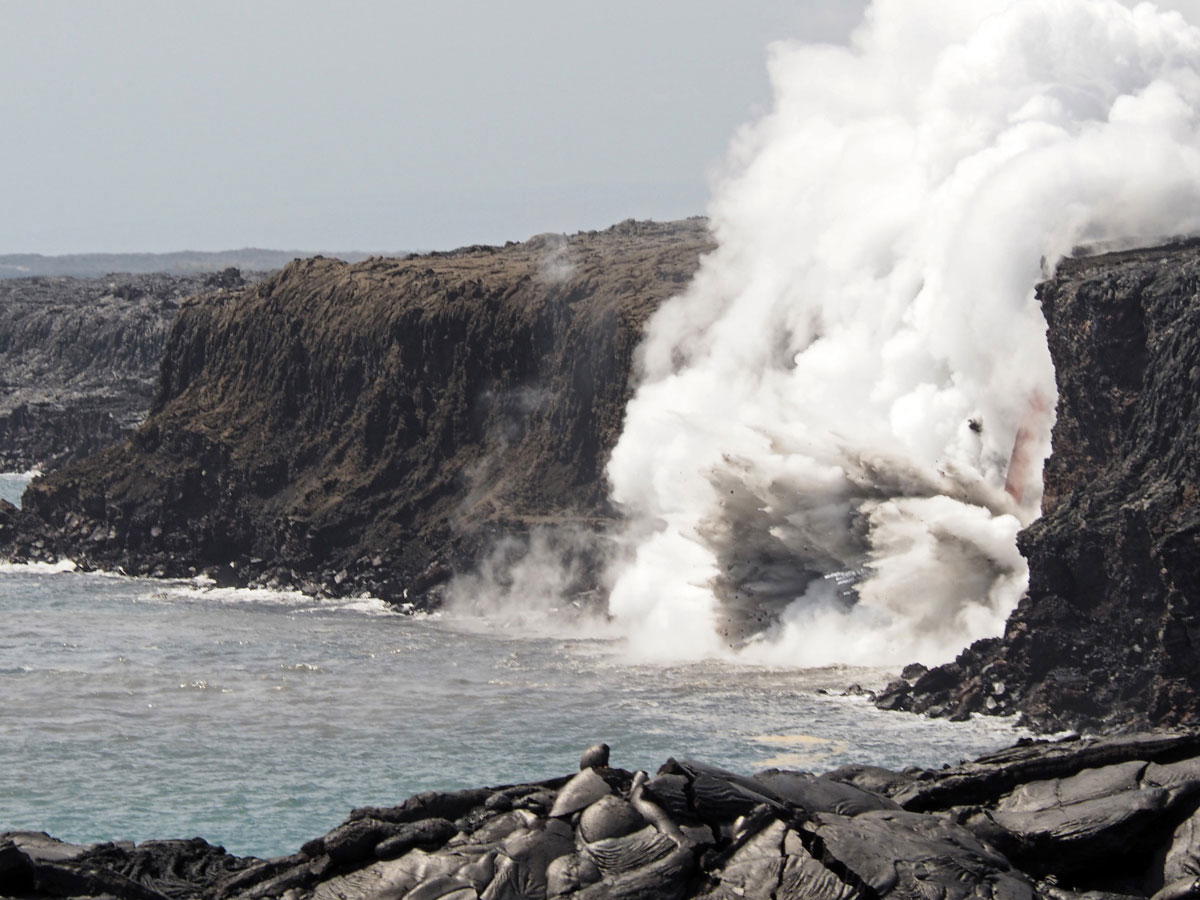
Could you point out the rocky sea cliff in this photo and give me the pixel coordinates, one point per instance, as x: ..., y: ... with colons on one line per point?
x: 371, y: 427
x: 377, y: 426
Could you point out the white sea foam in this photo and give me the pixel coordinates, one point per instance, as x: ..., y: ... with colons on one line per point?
x: 367, y: 606
x: 205, y: 590
x: 38, y: 568
x: 858, y: 377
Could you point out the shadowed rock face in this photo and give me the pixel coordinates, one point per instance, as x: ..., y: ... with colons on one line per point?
x: 79, y: 359
x: 369, y: 426
x: 1109, y: 633
x: 1045, y: 820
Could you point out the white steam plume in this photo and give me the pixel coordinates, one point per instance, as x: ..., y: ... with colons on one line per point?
x: 837, y: 396
x: 535, y: 584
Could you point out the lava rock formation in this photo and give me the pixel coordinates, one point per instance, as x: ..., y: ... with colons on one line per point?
x: 1090, y: 819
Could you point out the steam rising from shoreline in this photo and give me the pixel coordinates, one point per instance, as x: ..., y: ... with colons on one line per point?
x: 828, y: 418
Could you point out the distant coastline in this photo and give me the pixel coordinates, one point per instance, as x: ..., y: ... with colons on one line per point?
x: 183, y: 262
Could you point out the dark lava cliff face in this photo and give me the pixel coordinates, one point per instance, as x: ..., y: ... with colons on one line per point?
x: 369, y: 426
x: 1109, y: 633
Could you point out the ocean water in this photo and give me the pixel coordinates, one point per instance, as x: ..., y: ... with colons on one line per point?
x: 12, y: 484
x: 139, y: 709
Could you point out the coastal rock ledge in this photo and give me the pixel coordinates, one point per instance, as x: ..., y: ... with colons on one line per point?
x: 1099, y: 818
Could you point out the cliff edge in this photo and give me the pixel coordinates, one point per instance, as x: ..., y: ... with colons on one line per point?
x: 377, y: 426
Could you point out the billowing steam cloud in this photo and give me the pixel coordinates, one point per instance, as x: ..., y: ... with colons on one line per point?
x: 841, y: 423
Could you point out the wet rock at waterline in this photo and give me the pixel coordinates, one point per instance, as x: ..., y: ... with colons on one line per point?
x: 1057, y: 820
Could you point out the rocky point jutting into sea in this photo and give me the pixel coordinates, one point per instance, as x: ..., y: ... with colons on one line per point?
x: 79, y: 358
x: 1108, y: 634
x: 375, y: 426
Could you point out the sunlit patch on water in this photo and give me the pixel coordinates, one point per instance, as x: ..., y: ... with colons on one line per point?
x: 801, y: 752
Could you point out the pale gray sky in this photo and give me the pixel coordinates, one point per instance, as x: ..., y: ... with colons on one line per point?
x: 148, y: 126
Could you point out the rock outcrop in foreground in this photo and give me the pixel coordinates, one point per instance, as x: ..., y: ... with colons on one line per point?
x: 1109, y: 632
x: 368, y: 427
x: 79, y: 359
x: 1081, y: 818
